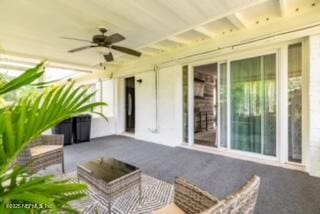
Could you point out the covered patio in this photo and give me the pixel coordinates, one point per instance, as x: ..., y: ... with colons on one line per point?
x: 222, y: 96
x: 281, y: 190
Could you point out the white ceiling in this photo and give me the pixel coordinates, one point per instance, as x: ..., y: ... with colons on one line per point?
x: 34, y: 27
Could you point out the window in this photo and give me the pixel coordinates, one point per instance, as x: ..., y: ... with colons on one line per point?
x: 294, y: 102
x: 185, y: 88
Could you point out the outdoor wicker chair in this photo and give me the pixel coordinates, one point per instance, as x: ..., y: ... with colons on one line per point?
x: 45, y: 151
x: 190, y: 199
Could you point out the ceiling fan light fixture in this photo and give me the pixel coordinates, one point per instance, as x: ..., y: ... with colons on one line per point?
x: 102, y: 50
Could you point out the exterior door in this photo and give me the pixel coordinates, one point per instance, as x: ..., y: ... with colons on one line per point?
x: 130, y: 104
x: 253, y: 105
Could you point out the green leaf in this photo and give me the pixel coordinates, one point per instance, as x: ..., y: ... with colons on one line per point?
x: 9, y: 136
x: 25, y: 121
x: 24, y: 79
x: 45, y: 84
x: 56, y: 194
x: 34, y: 198
x: 100, y: 114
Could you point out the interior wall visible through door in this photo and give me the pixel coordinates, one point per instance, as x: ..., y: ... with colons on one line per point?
x: 205, y: 104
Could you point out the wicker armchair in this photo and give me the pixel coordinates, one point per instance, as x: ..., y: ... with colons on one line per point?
x: 45, y: 151
x: 190, y: 199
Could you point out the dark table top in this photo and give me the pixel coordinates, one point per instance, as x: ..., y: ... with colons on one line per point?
x: 108, y: 169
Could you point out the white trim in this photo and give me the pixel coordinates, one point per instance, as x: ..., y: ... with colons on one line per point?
x: 262, y: 102
x: 219, y: 103
x: 115, y: 98
x: 305, y: 104
x: 228, y: 106
x: 190, y: 106
x: 218, y: 106
x: 278, y: 105
x: 121, y: 125
x: 254, y: 54
x: 284, y: 150
x: 282, y: 107
x: 306, y: 111
x: 178, y: 105
x: 240, y: 53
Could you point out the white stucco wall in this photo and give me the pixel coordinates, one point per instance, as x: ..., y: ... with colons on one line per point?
x: 314, y: 106
x: 169, y: 126
x: 145, y: 107
x: 100, y: 127
x: 170, y: 105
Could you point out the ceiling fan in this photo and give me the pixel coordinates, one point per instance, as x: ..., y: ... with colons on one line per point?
x: 102, y: 40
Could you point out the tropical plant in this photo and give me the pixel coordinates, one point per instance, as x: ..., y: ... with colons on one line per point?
x: 25, y: 120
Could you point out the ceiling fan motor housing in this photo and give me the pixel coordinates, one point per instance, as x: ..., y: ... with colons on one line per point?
x: 98, y: 39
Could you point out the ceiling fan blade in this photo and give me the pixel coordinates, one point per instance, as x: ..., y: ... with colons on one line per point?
x: 81, y: 48
x: 126, y: 50
x: 108, y: 57
x: 76, y: 39
x: 114, y: 38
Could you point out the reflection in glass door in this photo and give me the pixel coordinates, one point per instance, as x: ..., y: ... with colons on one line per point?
x: 295, y: 103
x: 253, y: 105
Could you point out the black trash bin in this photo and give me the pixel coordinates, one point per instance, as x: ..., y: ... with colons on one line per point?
x: 82, y: 128
x: 65, y: 128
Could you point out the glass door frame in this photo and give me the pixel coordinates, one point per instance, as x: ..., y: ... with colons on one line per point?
x: 304, y: 105
x: 219, y: 108
x: 191, y: 125
x: 281, y: 51
x: 278, y: 103
x: 274, y: 50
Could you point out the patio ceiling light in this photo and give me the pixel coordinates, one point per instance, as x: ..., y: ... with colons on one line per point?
x: 102, y: 50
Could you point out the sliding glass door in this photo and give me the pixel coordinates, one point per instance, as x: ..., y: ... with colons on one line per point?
x: 253, y: 105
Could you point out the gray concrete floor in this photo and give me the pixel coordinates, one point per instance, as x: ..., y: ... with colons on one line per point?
x: 281, y: 191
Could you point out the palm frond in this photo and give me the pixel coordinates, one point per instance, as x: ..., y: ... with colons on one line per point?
x: 26, y: 78
x: 27, y: 119
x: 43, y: 191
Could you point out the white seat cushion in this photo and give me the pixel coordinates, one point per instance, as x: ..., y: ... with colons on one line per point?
x: 38, y: 150
x: 169, y: 209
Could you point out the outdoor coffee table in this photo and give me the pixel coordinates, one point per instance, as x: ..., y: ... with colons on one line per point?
x: 111, y: 177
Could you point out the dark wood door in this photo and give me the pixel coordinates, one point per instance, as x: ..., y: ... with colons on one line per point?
x: 130, y: 104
